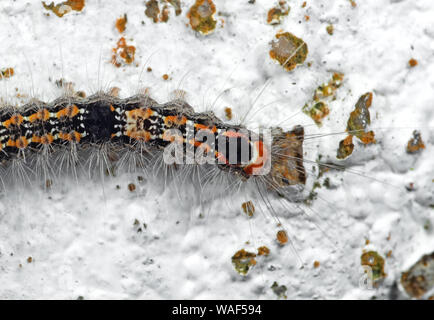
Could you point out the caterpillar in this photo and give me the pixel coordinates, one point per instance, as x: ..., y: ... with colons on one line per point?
x: 141, y: 124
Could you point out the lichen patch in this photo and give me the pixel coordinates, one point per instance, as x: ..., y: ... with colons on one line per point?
x: 288, y: 50
x: 201, y: 16
x: 64, y: 7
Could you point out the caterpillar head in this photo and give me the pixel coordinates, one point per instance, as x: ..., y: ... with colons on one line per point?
x: 280, y: 161
x: 287, y: 157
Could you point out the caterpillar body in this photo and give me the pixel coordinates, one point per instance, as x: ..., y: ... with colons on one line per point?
x: 140, y: 122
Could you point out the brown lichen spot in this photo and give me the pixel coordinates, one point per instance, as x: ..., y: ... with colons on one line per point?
x: 201, y: 16
x: 330, y: 29
x: 410, y: 186
x: 164, y: 17
x: 316, y: 264
x: 275, y: 15
x: 279, y: 291
x: 228, y: 113
x: 346, y: 147
x: 149, y: 69
x: 152, y: 10
x: 80, y: 94
x: 419, y: 279
x: 282, y: 237
x: 6, y: 73
x: 353, y: 3
x: 64, y: 7
x: 243, y: 261
x: 248, y: 208
x: 412, y: 62
x: 67, y: 86
x: 415, y: 144
x: 306, y: 17
x: 360, y: 119
x: 177, y: 5
x: 131, y: 187
x: 389, y: 254
x: 123, y: 53
x: 48, y: 183
x: 376, y: 262
x: 165, y: 76
x: 263, y: 251
x: 288, y: 50
x: 317, y: 112
x: 303, y: 5
x: 121, y: 23
x: 29, y: 260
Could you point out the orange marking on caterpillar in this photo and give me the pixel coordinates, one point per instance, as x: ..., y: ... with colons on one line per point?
x: 65, y: 136
x: 33, y: 117
x: 141, y: 136
x: 70, y: 112
x: 75, y: 136
x: 47, y: 139
x: 140, y: 113
x: 167, y: 136
x: 177, y: 120
x: 112, y: 109
x: 21, y: 143
x: 36, y: 139
x: 204, y: 127
x: 7, y: 123
x: 16, y: 119
x: 199, y: 144
x: 10, y: 143
x: 43, y: 115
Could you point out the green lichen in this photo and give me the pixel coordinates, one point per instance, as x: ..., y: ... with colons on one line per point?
x: 243, y: 261
x: 376, y: 262
x: 201, y: 16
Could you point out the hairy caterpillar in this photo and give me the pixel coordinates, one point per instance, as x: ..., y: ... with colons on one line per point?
x: 83, y: 237
x: 142, y: 125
